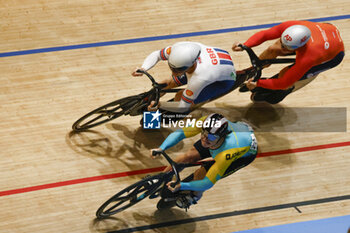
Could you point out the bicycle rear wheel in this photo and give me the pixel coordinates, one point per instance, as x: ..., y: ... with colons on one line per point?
x: 130, y: 196
x: 106, y: 113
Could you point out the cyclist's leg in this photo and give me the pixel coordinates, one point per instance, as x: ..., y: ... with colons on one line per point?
x: 276, y: 96
x: 311, y: 74
x: 247, y: 158
x: 214, y: 90
x: 260, y: 94
x: 242, y: 162
x: 188, y: 198
x: 199, y: 91
x: 194, y: 197
x: 235, y: 166
x: 169, y: 199
x: 302, y: 83
x: 271, y: 96
x: 206, y: 90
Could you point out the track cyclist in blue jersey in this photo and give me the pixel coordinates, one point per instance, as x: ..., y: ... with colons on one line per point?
x: 229, y: 145
x: 208, y: 72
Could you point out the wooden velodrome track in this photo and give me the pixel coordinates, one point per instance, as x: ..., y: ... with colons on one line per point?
x: 53, y: 181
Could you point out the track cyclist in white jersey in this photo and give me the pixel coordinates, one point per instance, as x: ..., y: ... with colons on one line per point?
x: 208, y: 72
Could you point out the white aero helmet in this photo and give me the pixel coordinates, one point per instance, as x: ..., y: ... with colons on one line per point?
x: 295, y: 36
x: 183, y: 55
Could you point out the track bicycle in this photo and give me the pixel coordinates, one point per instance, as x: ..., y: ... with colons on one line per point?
x: 136, y: 104
x: 150, y: 186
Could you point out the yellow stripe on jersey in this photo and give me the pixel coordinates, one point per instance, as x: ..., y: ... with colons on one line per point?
x: 234, y: 133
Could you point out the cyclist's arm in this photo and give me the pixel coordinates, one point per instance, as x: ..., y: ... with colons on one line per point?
x: 222, y: 161
x: 154, y: 58
x: 269, y: 34
x: 180, y: 134
x: 262, y: 36
x: 291, y: 76
x: 173, y: 139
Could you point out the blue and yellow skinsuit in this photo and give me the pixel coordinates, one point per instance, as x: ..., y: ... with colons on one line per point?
x: 240, y: 143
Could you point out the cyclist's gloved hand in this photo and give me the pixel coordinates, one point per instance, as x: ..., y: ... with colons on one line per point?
x: 156, y: 152
x: 135, y: 73
x: 235, y: 47
x: 251, y: 84
x: 151, y: 107
x: 172, y: 186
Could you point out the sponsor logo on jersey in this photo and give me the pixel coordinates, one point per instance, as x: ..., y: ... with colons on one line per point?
x: 189, y: 92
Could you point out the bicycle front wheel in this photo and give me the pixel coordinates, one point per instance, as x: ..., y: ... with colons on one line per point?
x: 106, y: 113
x: 130, y: 196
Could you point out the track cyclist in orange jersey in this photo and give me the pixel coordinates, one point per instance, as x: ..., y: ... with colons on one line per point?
x: 229, y: 145
x: 208, y: 72
x: 318, y: 47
